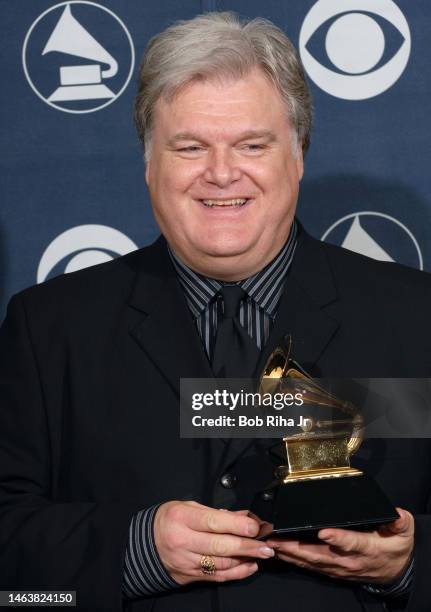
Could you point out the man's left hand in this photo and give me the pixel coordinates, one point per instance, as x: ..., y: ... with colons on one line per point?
x: 379, y: 556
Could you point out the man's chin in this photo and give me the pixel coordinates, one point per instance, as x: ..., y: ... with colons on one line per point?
x: 225, y: 253
x: 230, y: 248
x: 224, y: 264
x: 225, y: 257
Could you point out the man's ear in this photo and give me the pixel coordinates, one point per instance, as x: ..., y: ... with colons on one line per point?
x: 147, y: 172
x: 300, y: 162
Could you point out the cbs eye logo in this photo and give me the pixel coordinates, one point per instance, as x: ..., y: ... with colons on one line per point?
x: 367, y: 46
x: 89, y: 244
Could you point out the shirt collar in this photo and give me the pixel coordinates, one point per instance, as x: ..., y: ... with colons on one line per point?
x: 265, y: 287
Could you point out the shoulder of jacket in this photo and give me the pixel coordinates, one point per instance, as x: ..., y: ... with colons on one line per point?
x: 367, y: 274
x: 75, y: 289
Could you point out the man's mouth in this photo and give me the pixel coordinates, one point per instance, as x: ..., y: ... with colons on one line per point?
x: 235, y: 203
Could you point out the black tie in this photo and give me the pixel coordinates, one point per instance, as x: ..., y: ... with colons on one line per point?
x: 235, y: 353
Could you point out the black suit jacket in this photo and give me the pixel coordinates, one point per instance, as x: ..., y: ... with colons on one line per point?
x: 90, y: 365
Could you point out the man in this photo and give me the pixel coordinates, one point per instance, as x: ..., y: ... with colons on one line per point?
x: 98, y: 492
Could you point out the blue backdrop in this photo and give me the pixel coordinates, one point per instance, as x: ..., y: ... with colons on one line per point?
x: 71, y: 165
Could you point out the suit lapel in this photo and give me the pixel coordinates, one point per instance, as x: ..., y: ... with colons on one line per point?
x: 166, y: 332
x: 301, y: 313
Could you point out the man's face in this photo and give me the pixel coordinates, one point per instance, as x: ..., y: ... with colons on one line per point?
x: 223, y: 175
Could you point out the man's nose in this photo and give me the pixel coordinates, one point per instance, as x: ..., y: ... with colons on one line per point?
x: 222, y: 168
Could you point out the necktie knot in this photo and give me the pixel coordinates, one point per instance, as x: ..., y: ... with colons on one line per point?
x: 232, y: 296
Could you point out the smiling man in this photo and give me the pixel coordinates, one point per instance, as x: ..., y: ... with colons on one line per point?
x: 227, y: 168
x: 98, y: 493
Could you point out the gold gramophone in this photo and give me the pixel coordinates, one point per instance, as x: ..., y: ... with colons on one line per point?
x: 318, y: 487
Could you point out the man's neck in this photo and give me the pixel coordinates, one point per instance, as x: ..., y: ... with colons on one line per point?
x: 229, y: 269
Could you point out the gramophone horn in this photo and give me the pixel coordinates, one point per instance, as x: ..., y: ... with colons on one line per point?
x: 70, y: 37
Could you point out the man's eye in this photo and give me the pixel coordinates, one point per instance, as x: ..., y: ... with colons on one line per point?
x: 254, y: 147
x: 191, y: 149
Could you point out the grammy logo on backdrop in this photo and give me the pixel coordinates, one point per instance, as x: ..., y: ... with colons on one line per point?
x: 80, y: 82
x: 69, y: 60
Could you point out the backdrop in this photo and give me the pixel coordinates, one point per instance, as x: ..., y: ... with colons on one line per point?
x: 71, y: 165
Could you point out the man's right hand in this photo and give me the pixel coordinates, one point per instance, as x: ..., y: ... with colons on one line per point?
x: 185, y: 531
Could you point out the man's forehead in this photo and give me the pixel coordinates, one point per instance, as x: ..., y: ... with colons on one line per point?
x: 238, y: 125
x: 196, y: 134
x: 248, y: 107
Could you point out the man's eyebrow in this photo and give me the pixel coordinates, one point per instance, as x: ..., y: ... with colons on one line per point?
x: 249, y: 134
x: 182, y: 136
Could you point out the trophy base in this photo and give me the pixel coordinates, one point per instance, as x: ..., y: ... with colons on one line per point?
x: 318, y: 474
x: 299, y: 509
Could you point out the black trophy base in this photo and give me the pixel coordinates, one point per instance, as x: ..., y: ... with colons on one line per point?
x: 300, y: 509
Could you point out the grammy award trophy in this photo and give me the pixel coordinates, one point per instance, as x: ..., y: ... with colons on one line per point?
x: 317, y: 487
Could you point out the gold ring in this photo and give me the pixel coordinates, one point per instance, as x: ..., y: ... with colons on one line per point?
x: 207, y: 565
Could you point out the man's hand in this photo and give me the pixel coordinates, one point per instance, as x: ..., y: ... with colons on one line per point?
x: 185, y: 531
x: 379, y: 556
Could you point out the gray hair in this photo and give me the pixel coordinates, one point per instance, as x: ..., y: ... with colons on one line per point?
x: 220, y: 45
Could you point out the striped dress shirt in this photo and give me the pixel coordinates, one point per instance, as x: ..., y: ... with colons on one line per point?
x: 144, y: 573
x: 257, y: 312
